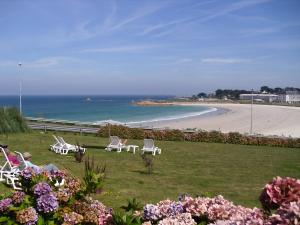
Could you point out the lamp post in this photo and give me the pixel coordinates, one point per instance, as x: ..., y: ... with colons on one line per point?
x: 20, y: 89
x: 251, y: 125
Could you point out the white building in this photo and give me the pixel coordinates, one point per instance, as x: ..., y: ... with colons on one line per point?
x: 292, y: 97
x: 260, y: 97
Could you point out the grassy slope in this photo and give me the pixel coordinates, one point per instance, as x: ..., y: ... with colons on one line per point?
x: 235, y: 171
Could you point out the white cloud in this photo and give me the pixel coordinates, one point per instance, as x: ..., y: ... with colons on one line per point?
x: 129, y: 48
x: 233, y: 8
x: 38, y: 63
x: 143, y: 12
x: 223, y: 60
x: 163, y: 25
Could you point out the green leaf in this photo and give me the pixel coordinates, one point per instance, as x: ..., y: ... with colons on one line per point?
x: 4, y: 219
x: 41, y: 221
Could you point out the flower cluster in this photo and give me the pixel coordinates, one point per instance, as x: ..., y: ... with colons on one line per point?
x: 211, y: 209
x: 5, y: 204
x: 28, y: 173
x: 18, y: 197
x: 57, y: 175
x: 27, y: 216
x: 47, y: 203
x: 63, y: 195
x: 218, y: 208
x: 94, y: 212
x: 163, y: 209
x: 72, y: 218
x: 73, y: 185
x: 280, y: 191
x: 42, y: 188
x: 180, y: 219
x: 288, y: 213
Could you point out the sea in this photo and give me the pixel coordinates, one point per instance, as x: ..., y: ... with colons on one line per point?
x: 99, y: 109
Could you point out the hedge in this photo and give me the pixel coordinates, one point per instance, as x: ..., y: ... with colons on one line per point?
x: 198, y: 136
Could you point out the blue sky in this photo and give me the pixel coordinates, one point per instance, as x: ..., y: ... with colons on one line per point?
x: 176, y: 47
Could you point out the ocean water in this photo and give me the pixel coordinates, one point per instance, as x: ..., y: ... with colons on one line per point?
x: 98, y: 109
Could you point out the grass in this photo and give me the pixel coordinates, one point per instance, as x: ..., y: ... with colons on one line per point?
x: 237, y: 172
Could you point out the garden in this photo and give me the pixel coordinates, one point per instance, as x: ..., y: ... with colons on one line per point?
x: 191, y: 182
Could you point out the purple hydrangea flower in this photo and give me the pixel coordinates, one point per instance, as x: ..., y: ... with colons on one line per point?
x: 47, y: 203
x: 151, y: 212
x: 18, y: 197
x: 176, y: 208
x: 4, y: 204
x: 42, y: 189
x: 29, y: 172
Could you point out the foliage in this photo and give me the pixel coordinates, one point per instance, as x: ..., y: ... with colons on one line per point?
x: 93, y: 176
x: 132, y: 205
x: 199, y: 136
x: 127, y: 218
x: 231, y: 94
x: 148, y: 162
x: 11, y: 121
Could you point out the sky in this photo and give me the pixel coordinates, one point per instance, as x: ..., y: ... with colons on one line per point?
x: 177, y: 47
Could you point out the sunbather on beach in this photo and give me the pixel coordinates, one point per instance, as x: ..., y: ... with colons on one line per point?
x: 50, y: 167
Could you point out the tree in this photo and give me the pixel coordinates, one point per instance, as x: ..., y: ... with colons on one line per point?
x: 202, y: 95
x: 266, y: 89
x: 278, y: 90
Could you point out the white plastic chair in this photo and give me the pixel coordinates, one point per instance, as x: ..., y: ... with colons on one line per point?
x: 9, y: 172
x: 64, y: 150
x: 149, y: 147
x: 57, y: 146
x: 115, y: 143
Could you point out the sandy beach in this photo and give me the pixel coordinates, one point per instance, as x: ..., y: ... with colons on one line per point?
x: 267, y: 119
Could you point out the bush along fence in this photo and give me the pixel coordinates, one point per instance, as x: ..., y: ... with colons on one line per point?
x: 42, y: 202
x: 198, y: 136
x: 11, y: 121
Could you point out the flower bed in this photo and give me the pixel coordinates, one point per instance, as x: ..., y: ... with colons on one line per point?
x: 44, y: 202
x: 282, y: 194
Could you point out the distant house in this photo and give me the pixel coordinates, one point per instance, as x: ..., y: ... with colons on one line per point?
x: 292, y: 97
x: 263, y: 97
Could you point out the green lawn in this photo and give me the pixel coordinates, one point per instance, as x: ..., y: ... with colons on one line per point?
x: 235, y: 171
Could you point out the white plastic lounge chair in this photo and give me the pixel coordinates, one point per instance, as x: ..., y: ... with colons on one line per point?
x: 64, y: 150
x: 149, y: 147
x: 57, y: 146
x: 9, y: 172
x: 115, y: 143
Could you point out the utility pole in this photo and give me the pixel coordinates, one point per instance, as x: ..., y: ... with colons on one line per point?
x: 20, y: 89
x: 251, y: 125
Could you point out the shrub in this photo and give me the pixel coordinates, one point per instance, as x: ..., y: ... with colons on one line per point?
x: 11, y: 121
x: 93, y: 176
x: 148, y: 162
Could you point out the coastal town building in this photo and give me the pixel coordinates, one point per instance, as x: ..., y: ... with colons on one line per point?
x: 260, y: 97
x: 292, y: 97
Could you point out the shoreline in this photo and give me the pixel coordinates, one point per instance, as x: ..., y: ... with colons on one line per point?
x: 267, y: 119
